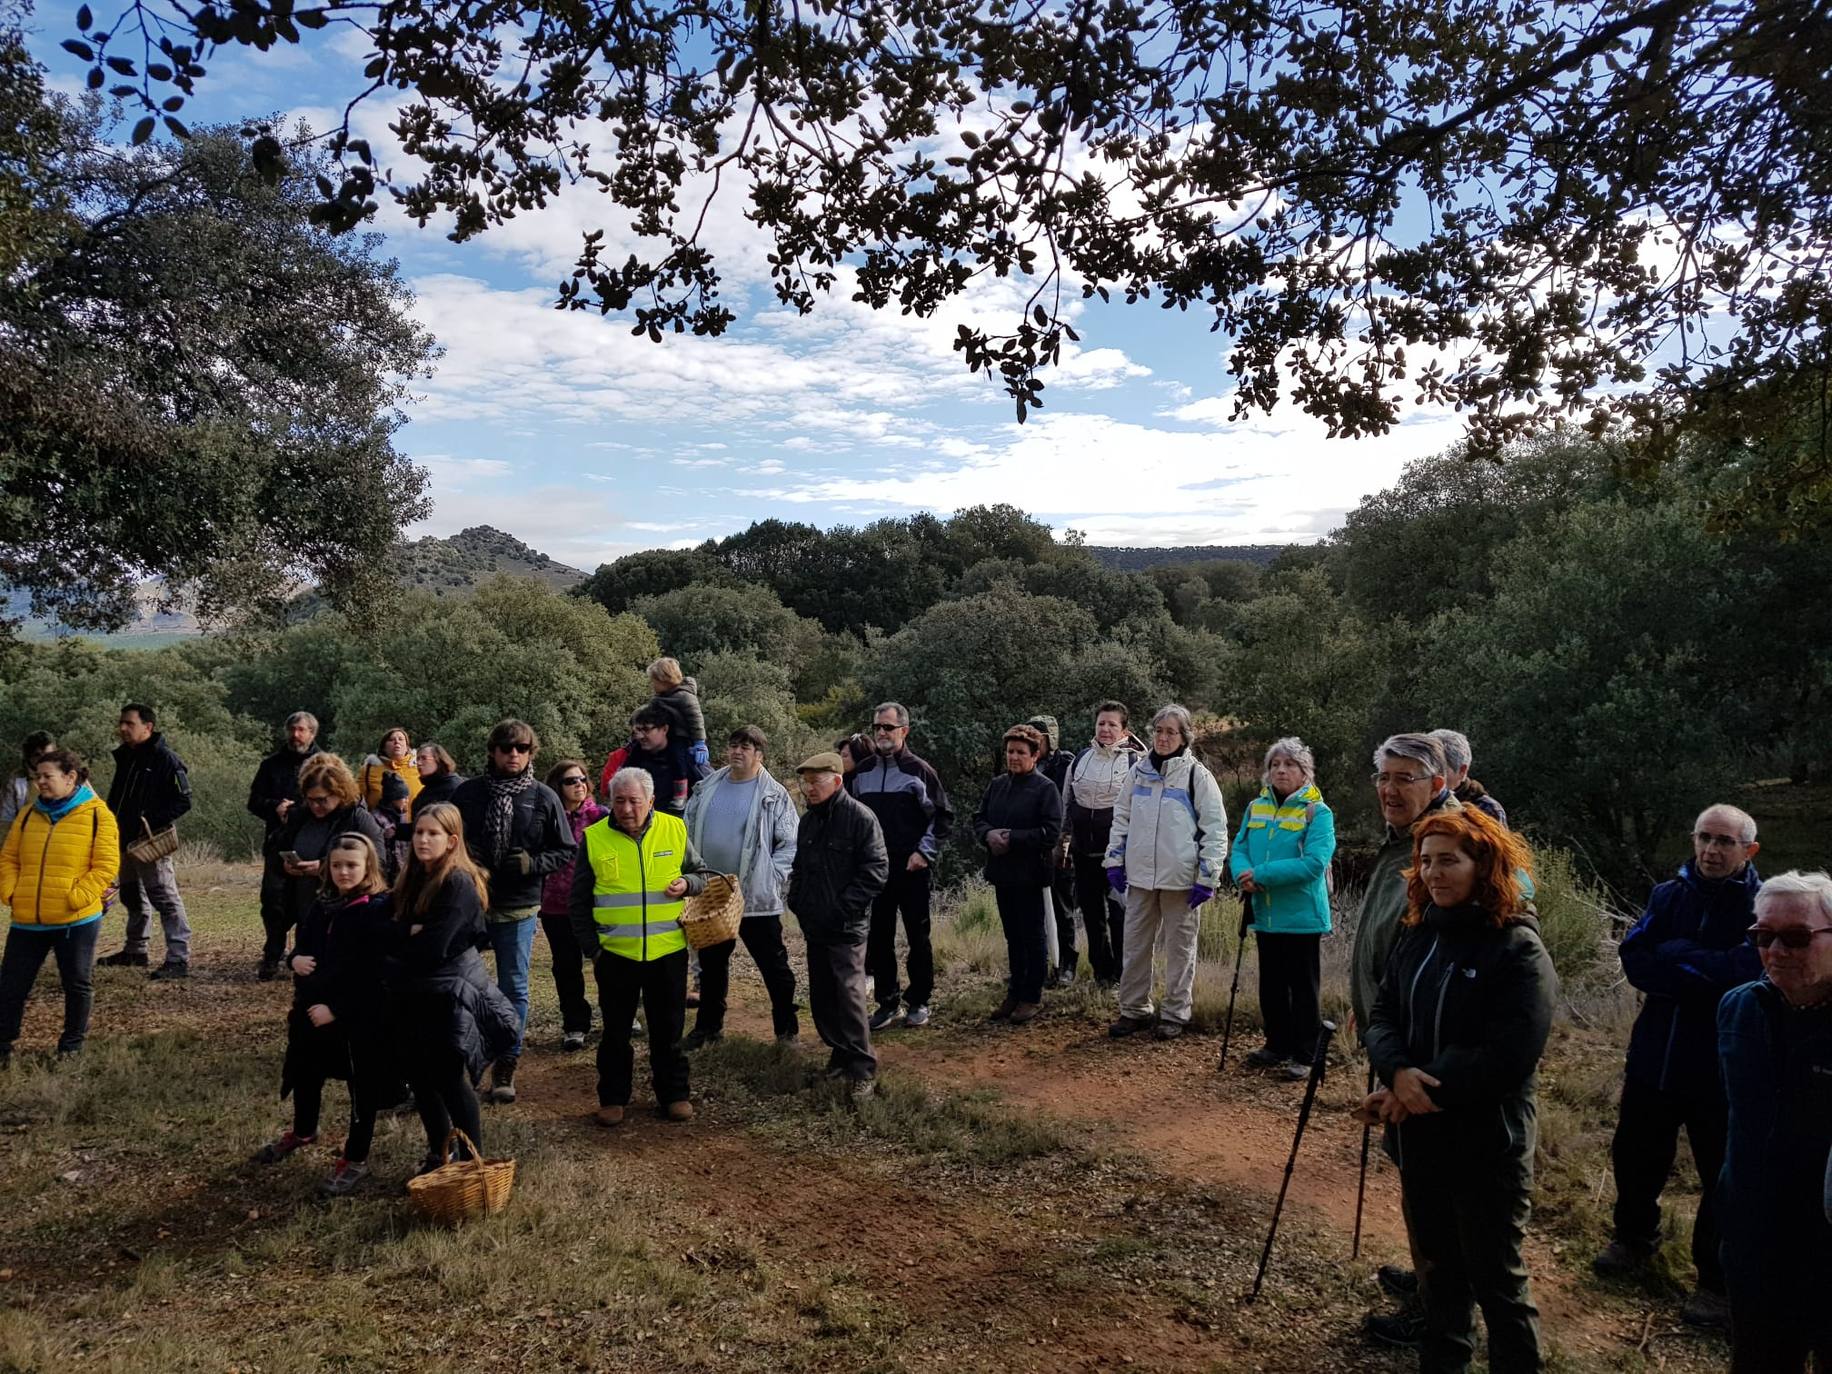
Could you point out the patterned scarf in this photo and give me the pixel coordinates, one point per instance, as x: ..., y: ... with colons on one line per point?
x: 504, y: 789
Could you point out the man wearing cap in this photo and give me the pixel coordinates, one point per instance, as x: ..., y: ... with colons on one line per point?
x: 840, y: 867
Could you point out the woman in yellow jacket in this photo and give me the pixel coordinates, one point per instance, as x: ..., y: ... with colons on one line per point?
x: 393, y: 755
x: 58, y: 858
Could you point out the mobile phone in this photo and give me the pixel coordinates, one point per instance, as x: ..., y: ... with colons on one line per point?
x: 290, y: 856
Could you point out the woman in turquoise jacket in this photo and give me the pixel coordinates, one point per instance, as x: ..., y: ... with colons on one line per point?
x: 1281, y: 860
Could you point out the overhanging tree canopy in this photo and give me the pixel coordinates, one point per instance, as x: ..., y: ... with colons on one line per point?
x: 1523, y: 208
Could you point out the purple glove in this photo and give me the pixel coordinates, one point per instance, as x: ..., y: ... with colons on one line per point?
x: 1200, y: 894
x: 1116, y: 879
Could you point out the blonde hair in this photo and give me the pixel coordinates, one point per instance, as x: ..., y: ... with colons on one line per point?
x: 418, y: 884
x: 667, y: 672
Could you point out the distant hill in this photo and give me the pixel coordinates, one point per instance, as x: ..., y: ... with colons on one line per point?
x: 150, y: 628
x: 1138, y: 560
x: 444, y: 566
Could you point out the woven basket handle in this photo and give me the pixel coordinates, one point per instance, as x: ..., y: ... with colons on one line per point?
x: 471, y: 1145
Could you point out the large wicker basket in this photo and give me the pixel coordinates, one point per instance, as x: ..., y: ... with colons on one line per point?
x: 461, y: 1189
x: 711, y: 918
x: 154, y: 845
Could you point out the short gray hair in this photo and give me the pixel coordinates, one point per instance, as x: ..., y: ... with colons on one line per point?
x: 1180, y: 717
x: 901, y: 711
x: 1297, y: 751
x: 302, y: 718
x: 629, y: 779
x: 1794, y: 883
x: 1414, y: 748
x: 1745, y: 823
x: 1457, y: 752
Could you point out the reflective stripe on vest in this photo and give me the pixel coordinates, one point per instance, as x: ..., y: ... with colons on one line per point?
x: 636, y: 918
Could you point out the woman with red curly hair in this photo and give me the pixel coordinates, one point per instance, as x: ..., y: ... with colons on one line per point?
x: 1457, y: 1030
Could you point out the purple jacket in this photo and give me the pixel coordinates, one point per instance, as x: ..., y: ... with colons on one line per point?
x: 556, y: 887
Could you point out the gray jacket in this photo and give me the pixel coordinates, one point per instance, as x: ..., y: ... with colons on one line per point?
x: 767, y: 849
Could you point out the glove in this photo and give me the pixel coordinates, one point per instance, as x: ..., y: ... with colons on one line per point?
x: 1116, y: 879
x: 699, y: 754
x: 1200, y: 894
x: 520, y: 860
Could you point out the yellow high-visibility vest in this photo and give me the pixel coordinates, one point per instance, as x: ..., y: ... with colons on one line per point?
x: 635, y: 916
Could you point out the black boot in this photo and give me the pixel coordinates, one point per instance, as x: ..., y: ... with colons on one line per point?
x: 502, y: 1082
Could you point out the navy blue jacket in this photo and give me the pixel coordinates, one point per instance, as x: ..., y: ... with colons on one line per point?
x: 1777, y: 1064
x: 907, y: 797
x: 1689, y: 948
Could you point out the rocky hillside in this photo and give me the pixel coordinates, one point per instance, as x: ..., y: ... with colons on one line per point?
x: 455, y: 565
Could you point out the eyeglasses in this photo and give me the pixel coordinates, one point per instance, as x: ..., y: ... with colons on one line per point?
x: 515, y: 748
x: 1711, y: 841
x: 318, y: 798
x: 878, y: 727
x: 572, y: 782
x: 1793, y: 937
x: 1397, y: 779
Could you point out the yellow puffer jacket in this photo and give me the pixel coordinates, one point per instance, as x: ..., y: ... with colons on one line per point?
x: 54, y: 873
x: 369, y: 781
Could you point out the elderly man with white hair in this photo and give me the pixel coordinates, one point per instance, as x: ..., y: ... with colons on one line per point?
x: 1165, y: 853
x: 1775, y: 1044
x: 1281, y: 862
x: 1458, y: 757
x: 1689, y: 948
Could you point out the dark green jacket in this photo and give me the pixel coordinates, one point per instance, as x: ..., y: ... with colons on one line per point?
x: 1382, y: 906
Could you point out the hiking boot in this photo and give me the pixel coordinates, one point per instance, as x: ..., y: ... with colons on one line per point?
x: 1397, y: 1282
x: 572, y: 1041
x: 1403, y: 1330
x: 1707, y: 1309
x: 886, y: 1016
x: 344, y: 1178
x: 1128, y: 1025
x: 502, y: 1082
x: 170, y: 970
x: 428, y: 1163
x: 124, y: 958
x: 1294, y: 1069
x: 1024, y: 1011
x: 678, y: 1111
x: 1003, y: 1011
x: 1265, y: 1058
x: 637, y: 1032
x: 697, y: 1039
x: 276, y: 1150
x: 1168, y: 1030
x: 863, y: 1089
x: 916, y: 1017
x: 267, y: 970
x: 1621, y: 1259
x: 608, y: 1116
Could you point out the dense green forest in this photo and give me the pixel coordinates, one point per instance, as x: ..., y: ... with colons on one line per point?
x: 1615, y: 656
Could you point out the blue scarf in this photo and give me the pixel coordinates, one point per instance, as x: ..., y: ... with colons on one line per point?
x: 85, y: 793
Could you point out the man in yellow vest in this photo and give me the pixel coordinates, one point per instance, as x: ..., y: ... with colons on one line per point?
x: 633, y: 873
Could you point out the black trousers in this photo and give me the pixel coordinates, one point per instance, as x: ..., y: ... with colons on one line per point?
x: 836, y: 1001
x: 1103, y: 916
x: 762, y: 936
x: 276, y: 919
x: 1646, y: 1141
x: 661, y: 986
x: 906, y: 894
x: 26, y: 952
x: 1021, y: 914
x: 1764, y: 1340
x: 1063, y: 899
x: 568, y: 973
x: 1290, y: 974
x: 443, y: 1094
x: 1465, y: 1227
x: 367, y: 1091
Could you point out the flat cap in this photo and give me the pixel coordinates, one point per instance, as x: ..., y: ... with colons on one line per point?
x: 828, y: 762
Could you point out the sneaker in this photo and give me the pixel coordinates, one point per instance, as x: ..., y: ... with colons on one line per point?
x: 1403, y: 1330
x: 863, y: 1089
x: 1397, y: 1282
x: 1003, y: 1011
x: 678, y: 1111
x: 276, y: 1150
x: 123, y: 958
x: 693, y: 998
x: 1621, y: 1258
x: 267, y: 970
x: 1707, y: 1309
x: 502, y: 1083
x: 344, y: 1178
x: 1128, y: 1025
x: 572, y: 1041
x: 697, y: 1039
x: 1024, y: 1011
x: 1065, y: 977
x: 637, y: 1032
x: 169, y: 970
x: 916, y: 1017
x: 1265, y: 1058
x: 1168, y: 1030
x: 886, y: 1016
x: 608, y: 1116
x: 1296, y: 1070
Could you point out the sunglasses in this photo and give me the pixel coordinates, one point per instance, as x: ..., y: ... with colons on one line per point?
x: 1794, y: 937
x: 515, y: 748
x: 878, y: 729
x: 572, y: 782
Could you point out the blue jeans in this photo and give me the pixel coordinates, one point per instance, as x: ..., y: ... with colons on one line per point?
x: 513, y: 942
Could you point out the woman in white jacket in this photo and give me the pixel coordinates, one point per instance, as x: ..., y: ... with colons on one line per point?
x: 1170, y: 837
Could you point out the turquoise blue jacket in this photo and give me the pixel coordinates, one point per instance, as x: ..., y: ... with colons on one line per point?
x: 1288, y: 847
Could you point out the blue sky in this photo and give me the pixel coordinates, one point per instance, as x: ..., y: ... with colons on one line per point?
x: 587, y: 443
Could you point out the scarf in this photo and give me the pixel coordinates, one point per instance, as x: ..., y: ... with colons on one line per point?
x: 501, y: 815
x: 85, y: 793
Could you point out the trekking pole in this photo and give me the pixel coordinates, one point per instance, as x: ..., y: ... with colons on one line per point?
x: 1361, y: 1188
x: 1310, y: 1097
x: 1240, y: 953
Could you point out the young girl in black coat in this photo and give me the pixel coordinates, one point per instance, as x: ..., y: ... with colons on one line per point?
x: 334, y: 1029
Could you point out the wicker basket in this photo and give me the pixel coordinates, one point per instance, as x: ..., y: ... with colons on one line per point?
x: 712, y: 917
x: 462, y: 1189
x: 154, y: 845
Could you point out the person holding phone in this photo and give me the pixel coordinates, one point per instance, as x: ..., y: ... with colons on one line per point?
x: 329, y: 805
